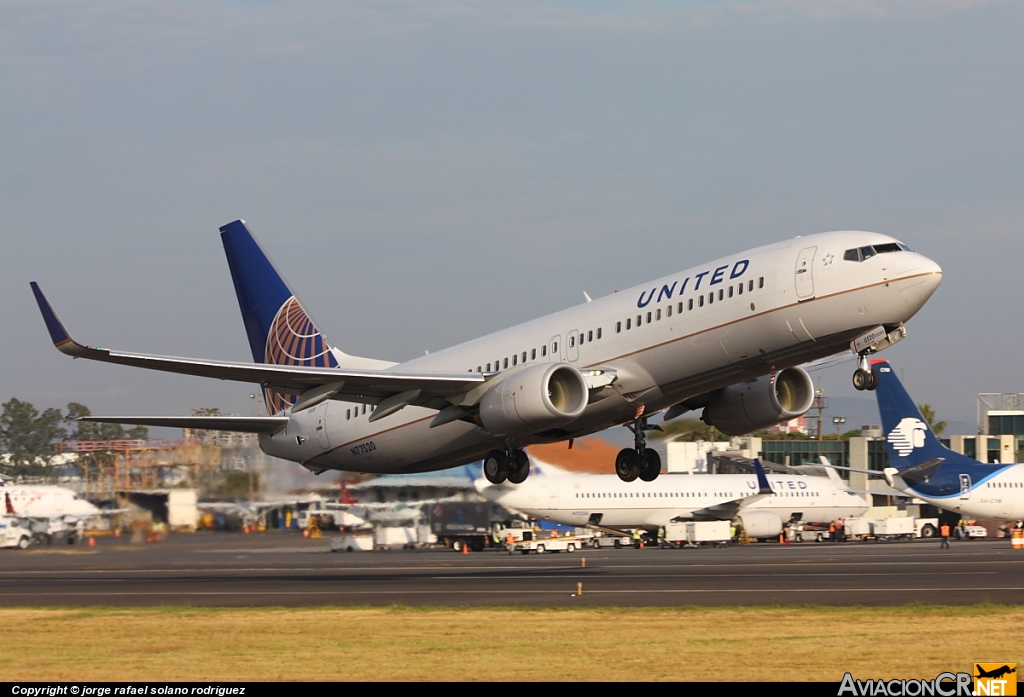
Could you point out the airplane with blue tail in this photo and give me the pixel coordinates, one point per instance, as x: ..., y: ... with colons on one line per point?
x: 921, y: 466
x: 727, y: 337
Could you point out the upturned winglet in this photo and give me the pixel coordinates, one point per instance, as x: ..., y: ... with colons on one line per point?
x: 61, y: 339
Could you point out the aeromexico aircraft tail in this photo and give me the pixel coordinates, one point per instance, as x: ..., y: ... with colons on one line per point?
x: 280, y: 331
x: 909, y: 439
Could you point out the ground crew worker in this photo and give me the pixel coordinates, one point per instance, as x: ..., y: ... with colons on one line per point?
x: 945, y: 536
x: 832, y: 531
x: 732, y: 532
x: 636, y: 539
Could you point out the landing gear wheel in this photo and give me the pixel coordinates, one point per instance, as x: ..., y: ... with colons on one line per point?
x: 628, y: 465
x: 496, y: 467
x: 651, y: 465
x: 519, y: 468
x: 864, y: 379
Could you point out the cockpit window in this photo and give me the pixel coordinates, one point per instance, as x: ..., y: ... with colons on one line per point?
x: 886, y: 248
x: 864, y: 253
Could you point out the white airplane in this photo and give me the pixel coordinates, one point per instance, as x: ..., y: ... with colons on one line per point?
x: 921, y: 466
x: 726, y: 336
x: 762, y: 505
x: 45, y: 502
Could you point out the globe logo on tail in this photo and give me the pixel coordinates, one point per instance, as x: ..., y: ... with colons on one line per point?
x: 908, y: 435
x: 293, y: 339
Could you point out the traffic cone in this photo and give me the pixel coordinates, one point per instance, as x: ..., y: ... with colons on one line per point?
x: 117, y: 532
x: 465, y: 548
x: 92, y: 541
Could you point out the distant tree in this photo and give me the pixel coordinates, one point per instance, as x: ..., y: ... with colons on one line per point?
x: 929, y: 416
x: 87, y: 430
x: 27, y: 437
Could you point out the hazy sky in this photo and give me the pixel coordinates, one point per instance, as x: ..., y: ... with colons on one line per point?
x: 424, y: 173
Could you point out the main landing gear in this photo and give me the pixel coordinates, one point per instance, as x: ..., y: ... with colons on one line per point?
x: 864, y: 378
x: 511, y: 464
x: 638, y: 461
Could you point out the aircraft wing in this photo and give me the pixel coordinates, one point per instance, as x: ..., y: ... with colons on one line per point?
x: 241, y: 424
x: 363, y: 386
x: 727, y: 510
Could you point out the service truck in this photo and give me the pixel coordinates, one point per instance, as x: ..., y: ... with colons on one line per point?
x: 461, y: 524
x: 14, y: 532
x: 561, y: 543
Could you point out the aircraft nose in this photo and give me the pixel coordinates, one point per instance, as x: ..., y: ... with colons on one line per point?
x: 919, y: 280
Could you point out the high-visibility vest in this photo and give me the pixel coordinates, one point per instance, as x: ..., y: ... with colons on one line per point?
x: 945, y: 531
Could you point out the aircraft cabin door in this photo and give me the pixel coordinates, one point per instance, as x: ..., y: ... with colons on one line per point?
x: 553, y: 348
x: 965, y: 487
x: 572, y: 349
x: 321, y: 426
x: 805, y: 274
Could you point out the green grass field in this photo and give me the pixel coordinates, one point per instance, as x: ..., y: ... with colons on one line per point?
x: 399, y: 643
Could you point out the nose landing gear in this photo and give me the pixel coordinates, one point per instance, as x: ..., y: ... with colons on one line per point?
x: 864, y: 378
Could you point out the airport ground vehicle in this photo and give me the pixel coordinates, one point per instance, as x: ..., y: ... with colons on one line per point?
x: 458, y: 524
x: 926, y: 527
x: 14, y: 532
x: 880, y: 529
x: 540, y: 545
x: 697, y: 533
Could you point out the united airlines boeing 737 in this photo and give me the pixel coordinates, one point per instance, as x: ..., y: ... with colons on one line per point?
x: 726, y: 336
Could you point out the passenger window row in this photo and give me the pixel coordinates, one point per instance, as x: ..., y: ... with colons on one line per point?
x: 354, y: 412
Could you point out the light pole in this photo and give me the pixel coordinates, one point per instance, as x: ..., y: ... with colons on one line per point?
x: 838, y: 421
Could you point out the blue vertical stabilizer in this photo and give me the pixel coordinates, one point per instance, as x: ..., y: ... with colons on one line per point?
x: 909, y: 438
x: 279, y: 329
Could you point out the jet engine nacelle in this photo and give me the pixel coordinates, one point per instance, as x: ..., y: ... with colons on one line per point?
x: 757, y: 404
x: 535, y: 399
x: 760, y: 523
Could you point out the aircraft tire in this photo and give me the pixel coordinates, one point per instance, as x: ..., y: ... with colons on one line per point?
x: 496, y: 467
x: 861, y: 379
x: 872, y: 380
x: 519, y: 468
x: 651, y: 465
x: 628, y: 465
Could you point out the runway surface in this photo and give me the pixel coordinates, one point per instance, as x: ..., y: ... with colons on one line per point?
x: 283, y: 569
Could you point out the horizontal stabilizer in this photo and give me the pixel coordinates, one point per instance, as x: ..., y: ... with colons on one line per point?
x: 923, y: 471
x: 240, y: 424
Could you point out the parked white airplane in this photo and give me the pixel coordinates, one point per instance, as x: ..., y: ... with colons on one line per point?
x: 44, y: 502
x: 725, y: 336
x: 603, y: 500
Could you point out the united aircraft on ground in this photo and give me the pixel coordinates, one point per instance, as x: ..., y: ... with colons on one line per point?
x: 603, y: 500
x: 724, y: 336
x: 923, y: 467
